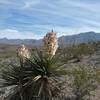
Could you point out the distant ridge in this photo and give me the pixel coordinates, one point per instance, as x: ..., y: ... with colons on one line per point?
x: 76, y: 39
x: 21, y: 41
x: 80, y: 38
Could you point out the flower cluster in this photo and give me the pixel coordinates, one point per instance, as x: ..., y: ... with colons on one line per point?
x: 50, y: 46
x: 23, y: 52
x: 50, y: 43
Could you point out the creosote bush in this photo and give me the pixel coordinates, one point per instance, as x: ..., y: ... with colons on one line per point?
x: 84, y: 81
x: 77, y: 51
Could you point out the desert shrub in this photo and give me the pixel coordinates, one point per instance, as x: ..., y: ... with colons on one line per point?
x: 97, y: 77
x: 77, y: 51
x: 84, y: 81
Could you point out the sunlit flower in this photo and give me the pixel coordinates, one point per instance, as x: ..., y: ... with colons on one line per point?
x: 23, y: 52
x: 50, y: 43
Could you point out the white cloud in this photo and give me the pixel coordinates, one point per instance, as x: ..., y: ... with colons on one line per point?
x: 72, y: 31
x: 29, y: 4
x: 14, y: 34
x: 92, y: 6
x: 82, y: 12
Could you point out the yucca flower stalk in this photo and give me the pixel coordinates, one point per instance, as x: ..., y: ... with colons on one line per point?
x: 50, y: 44
x: 23, y: 53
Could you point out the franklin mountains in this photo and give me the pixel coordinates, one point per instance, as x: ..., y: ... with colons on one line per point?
x: 76, y: 39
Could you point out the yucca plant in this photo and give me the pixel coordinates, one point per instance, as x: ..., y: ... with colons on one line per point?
x: 33, y: 77
x: 13, y: 79
x: 44, y: 70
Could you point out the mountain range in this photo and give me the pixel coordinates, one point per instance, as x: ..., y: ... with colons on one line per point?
x: 76, y: 39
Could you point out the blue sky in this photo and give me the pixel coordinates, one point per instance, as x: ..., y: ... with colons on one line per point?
x: 34, y: 18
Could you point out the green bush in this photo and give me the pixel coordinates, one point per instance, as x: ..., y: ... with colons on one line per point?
x: 84, y: 81
x: 77, y: 51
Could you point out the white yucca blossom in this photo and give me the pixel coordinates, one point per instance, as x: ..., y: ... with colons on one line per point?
x: 50, y: 43
x: 23, y: 52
